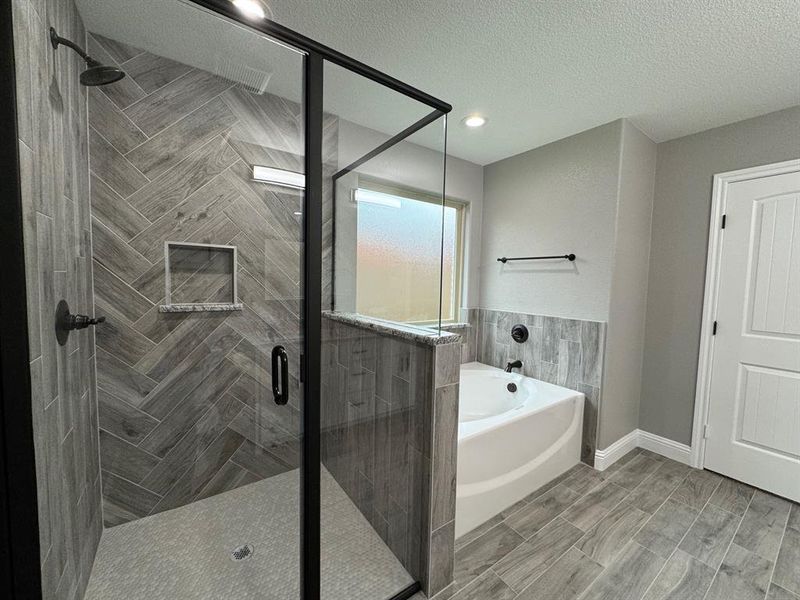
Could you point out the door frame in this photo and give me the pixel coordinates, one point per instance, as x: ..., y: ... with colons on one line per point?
x: 702, y: 398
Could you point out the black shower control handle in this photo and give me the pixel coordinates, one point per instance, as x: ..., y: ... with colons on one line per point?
x: 66, y: 322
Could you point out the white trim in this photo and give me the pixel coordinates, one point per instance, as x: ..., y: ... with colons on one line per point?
x: 710, y: 300
x: 605, y: 458
x: 642, y: 439
x: 665, y: 447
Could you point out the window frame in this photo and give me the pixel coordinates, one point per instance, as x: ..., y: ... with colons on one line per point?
x: 381, y: 186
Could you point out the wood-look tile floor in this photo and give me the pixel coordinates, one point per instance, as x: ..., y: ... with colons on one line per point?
x: 648, y: 528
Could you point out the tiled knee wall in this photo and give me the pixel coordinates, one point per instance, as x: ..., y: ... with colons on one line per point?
x: 389, y: 438
x: 566, y: 352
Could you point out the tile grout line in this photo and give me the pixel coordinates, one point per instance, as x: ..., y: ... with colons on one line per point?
x: 780, y: 547
x: 733, y: 537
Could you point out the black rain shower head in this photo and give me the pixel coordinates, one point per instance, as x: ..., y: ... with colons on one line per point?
x: 96, y: 74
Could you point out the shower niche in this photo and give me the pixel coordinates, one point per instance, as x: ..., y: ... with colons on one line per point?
x: 200, y: 277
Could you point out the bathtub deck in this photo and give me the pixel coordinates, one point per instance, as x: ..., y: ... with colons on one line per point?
x: 648, y: 528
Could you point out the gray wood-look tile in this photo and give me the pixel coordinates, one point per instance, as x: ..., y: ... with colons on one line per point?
x: 697, y: 488
x: 258, y: 460
x: 763, y: 525
x: 202, y: 471
x: 787, y: 567
x: 114, y: 211
x: 530, y: 560
x: 743, y: 575
x: 635, y: 472
x: 125, y: 498
x: 124, y: 92
x: 445, y: 448
x: 115, y: 333
x: 488, y: 585
x: 539, y: 512
x: 115, y: 292
x: 167, y: 149
x: 121, y: 379
x: 710, y: 535
x: 682, y: 578
x: 117, y: 256
x: 171, y: 102
x: 124, y: 459
x: 606, y: 539
x: 776, y: 592
x: 229, y: 477
x: 442, y: 557
x: 583, y: 479
x: 477, y: 532
x: 592, y: 343
x: 651, y: 493
x: 151, y: 72
x: 112, y: 167
x: 794, y: 516
x: 177, y: 184
x: 122, y: 419
x: 477, y: 556
x: 595, y: 505
x: 628, y: 577
x: 732, y: 496
x: 112, y: 123
x: 566, y: 579
x: 666, y: 528
x: 569, y: 364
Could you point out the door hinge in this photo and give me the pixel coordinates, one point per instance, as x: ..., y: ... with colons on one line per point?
x: 724, y: 219
x: 706, y: 431
x: 714, y: 329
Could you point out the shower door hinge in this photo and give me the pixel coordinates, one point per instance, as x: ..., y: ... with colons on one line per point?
x: 706, y: 431
x: 714, y: 329
x: 724, y: 219
x: 302, y: 367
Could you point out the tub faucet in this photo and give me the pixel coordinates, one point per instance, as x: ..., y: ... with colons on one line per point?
x: 517, y: 364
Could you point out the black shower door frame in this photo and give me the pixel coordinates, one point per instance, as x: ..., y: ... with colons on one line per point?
x: 20, y: 575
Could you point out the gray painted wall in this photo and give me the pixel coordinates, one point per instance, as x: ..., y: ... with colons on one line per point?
x: 681, y: 211
x: 556, y: 199
x: 619, y: 409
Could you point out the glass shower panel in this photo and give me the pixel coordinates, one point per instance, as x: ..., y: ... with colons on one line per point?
x: 191, y: 247
x: 384, y: 176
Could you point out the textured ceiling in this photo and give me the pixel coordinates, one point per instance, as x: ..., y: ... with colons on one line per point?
x: 543, y: 70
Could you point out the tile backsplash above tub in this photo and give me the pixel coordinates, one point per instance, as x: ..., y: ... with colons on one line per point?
x: 566, y: 352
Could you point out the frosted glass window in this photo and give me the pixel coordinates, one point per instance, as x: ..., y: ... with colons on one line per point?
x: 400, y: 256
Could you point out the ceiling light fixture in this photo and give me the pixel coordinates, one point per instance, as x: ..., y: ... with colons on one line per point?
x: 279, y: 177
x: 253, y: 9
x: 474, y: 121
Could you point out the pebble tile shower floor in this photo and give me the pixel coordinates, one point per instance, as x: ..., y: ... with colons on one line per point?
x: 648, y: 528
x: 184, y: 554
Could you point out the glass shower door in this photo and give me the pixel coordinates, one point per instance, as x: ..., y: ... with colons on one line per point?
x: 195, y: 241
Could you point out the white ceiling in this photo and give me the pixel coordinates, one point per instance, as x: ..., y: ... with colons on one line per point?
x: 538, y: 70
x: 543, y: 70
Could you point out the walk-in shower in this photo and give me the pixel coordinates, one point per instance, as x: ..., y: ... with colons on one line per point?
x: 228, y: 426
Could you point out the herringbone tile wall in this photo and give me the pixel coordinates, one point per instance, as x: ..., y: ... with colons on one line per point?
x: 184, y: 405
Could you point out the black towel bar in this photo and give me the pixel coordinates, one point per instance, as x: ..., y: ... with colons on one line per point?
x: 569, y: 257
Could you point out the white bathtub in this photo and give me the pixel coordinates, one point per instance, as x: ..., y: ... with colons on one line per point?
x: 510, y: 444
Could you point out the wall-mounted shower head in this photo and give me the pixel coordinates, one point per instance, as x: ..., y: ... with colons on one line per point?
x: 96, y: 74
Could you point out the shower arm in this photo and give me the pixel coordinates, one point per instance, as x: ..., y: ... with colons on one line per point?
x: 56, y: 40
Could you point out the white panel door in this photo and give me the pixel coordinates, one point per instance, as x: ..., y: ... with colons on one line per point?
x: 754, y: 408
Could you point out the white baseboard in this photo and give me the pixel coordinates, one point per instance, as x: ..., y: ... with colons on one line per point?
x: 605, y: 458
x: 642, y: 439
x: 665, y: 447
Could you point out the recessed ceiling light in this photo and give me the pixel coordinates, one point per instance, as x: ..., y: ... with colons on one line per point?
x: 474, y: 121
x: 252, y: 9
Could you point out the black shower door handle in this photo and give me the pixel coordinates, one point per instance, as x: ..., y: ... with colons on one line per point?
x: 280, y: 381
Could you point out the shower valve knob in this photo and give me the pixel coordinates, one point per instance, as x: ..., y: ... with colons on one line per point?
x: 66, y: 322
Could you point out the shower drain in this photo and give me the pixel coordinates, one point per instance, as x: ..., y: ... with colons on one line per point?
x: 242, y: 552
